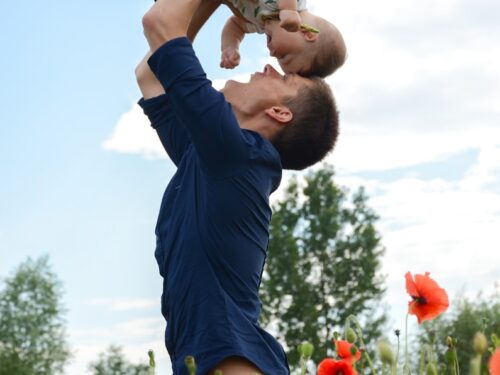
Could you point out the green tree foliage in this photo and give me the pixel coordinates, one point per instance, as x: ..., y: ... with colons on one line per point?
x: 324, y: 257
x: 32, y: 329
x: 113, y: 362
x: 464, y: 319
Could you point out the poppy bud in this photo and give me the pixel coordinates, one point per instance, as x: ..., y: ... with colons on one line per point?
x: 190, y: 364
x: 350, y: 335
x: 306, y: 349
x: 479, y: 343
x: 397, y: 332
x: 151, y: 355
x: 385, y: 352
x: 449, y: 342
x: 431, y: 369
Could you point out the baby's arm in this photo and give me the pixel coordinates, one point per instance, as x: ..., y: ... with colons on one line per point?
x: 232, y: 35
x: 289, y: 16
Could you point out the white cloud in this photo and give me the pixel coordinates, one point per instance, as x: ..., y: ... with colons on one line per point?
x: 362, y: 149
x: 486, y: 171
x: 136, y: 337
x: 219, y: 83
x: 125, y: 304
x: 134, y: 135
x: 121, y: 332
x: 133, y: 352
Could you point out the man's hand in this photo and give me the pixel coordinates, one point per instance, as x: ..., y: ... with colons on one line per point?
x: 230, y: 58
x: 290, y: 20
x: 167, y: 20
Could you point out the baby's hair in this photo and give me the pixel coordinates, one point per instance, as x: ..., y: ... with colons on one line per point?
x: 330, y: 51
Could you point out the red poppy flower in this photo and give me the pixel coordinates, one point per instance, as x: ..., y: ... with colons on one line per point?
x: 344, y: 351
x: 429, y: 299
x: 494, y: 364
x: 332, y: 367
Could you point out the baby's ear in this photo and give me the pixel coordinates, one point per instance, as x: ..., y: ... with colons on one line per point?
x: 309, y: 36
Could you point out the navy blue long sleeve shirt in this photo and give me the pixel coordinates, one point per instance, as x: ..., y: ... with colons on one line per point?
x: 212, y: 230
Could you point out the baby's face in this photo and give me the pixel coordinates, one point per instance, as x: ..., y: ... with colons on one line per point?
x: 290, y: 48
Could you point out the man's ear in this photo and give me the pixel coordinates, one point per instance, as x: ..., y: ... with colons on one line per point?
x: 281, y: 114
x: 309, y: 36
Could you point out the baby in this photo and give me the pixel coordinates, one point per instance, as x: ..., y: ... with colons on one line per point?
x: 302, y: 42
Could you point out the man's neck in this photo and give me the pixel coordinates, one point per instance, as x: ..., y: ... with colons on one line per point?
x: 259, y: 124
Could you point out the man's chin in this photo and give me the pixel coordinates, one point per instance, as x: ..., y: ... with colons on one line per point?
x: 231, y: 84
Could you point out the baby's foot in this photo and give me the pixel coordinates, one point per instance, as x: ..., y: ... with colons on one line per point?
x: 290, y: 20
x: 230, y: 58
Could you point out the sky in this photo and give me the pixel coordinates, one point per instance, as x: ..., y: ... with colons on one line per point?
x: 82, y: 174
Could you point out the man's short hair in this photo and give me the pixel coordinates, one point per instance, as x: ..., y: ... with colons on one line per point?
x: 312, y: 132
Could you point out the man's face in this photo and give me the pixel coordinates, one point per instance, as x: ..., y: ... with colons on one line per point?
x: 264, y: 90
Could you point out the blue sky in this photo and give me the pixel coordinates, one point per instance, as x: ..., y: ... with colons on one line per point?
x: 82, y: 175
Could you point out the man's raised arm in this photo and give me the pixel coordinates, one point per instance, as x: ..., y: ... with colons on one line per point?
x: 148, y: 84
x: 167, y: 20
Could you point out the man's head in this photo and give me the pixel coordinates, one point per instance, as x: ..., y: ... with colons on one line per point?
x: 305, y: 52
x: 298, y: 115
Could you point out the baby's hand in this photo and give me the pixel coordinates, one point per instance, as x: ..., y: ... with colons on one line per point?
x: 230, y: 58
x: 290, y: 20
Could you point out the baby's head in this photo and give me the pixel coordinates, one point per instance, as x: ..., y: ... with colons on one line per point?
x: 306, y: 52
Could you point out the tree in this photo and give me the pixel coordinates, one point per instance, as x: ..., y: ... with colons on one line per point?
x: 462, y: 322
x: 32, y: 329
x: 113, y: 362
x: 324, y: 257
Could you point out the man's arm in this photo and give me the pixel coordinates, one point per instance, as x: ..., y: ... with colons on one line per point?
x: 204, y: 113
x: 156, y: 106
x: 167, y: 20
x: 201, y: 15
x: 148, y: 84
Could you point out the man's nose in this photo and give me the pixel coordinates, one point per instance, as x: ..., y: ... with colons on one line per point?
x: 270, y: 71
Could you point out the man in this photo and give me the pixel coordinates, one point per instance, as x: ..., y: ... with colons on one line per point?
x: 212, y: 229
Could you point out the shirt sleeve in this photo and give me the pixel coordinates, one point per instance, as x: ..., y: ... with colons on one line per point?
x: 203, y: 111
x: 172, y: 134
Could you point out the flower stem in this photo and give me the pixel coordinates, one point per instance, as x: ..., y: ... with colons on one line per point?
x: 475, y: 365
x: 360, y: 336
x: 303, y: 365
x: 406, y: 367
x: 422, y: 362
x: 457, y: 367
x: 396, y: 362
